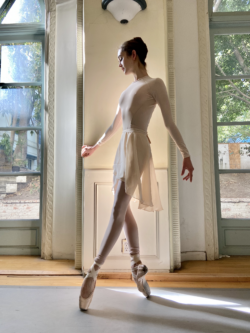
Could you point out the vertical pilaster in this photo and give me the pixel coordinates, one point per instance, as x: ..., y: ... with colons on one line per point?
x: 79, y: 136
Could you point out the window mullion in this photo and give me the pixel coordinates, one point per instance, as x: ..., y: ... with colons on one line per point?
x: 231, y: 77
x: 210, y: 7
x: 233, y: 123
x: 18, y: 84
x: 20, y: 173
x: 16, y: 128
x: 233, y: 171
x: 18, y: 29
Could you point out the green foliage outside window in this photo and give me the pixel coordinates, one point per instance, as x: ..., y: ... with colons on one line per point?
x: 22, y: 105
x: 6, y: 146
x: 29, y: 12
x: 231, y: 5
x: 232, y: 57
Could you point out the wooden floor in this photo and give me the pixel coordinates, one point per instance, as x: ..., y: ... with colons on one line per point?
x: 231, y: 265
x: 34, y: 265
x: 233, y: 272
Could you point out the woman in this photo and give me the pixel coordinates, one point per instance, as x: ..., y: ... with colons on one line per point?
x: 134, y: 173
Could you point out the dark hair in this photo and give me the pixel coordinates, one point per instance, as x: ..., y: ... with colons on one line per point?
x: 139, y: 46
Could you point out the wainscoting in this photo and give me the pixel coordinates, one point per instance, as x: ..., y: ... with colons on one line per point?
x: 153, y: 226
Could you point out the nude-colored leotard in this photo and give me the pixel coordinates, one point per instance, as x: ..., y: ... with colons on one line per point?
x: 133, y: 162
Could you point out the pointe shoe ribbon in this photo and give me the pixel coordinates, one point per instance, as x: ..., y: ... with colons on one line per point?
x: 138, y: 273
x: 93, y: 273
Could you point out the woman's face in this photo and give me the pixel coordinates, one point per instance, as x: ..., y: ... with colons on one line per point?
x: 125, y: 62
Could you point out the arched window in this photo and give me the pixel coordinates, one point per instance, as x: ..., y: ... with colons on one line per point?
x: 22, y: 36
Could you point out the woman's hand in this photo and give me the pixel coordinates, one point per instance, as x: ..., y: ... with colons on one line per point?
x: 187, y: 165
x: 88, y: 150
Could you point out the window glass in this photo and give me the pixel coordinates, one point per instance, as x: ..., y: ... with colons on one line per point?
x: 234, y: 147
x: 21, y: 62
x: 20, y: 151
x: 20, y: 106
x: 233, y: 100
x: 231, y: 5
x: 232, y: 54
x: 20, y: 197
x: 235, y: 195
x: 22, y: 11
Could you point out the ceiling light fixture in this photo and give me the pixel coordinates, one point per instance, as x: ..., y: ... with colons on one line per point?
x: 124, y: 10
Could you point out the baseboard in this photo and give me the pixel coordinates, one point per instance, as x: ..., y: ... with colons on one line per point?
x: 195, y: 255
x: 153, y: 274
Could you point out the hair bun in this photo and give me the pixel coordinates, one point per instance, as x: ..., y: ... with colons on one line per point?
x: 139, y: 46
x: 138, y: 39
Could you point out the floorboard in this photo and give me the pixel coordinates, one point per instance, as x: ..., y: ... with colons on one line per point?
x: 232, y: 272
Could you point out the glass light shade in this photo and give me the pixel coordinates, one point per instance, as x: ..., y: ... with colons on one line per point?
x: 124, y: 10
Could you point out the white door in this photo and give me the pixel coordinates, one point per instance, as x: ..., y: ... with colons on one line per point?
x: 153, y: 226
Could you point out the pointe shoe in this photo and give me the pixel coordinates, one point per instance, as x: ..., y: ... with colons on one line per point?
x: 84, y: 303
x: 138, y: 273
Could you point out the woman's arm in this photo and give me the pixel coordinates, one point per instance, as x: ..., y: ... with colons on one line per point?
x: 117, y: 122
x: 161, y: 97
x: 89, y: 150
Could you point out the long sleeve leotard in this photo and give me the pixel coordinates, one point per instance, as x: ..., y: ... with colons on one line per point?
x: 136, y: 106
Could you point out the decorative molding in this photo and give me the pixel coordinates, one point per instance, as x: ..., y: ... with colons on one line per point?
x: 175, y: 243
x: 98, y: 201
x: 48, y: 195
x: 26, y: 240
x: 211, y: 231
x: 14, y: 242
x: 79, y: 136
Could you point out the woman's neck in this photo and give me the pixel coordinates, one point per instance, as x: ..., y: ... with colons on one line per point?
x: 139, y: 76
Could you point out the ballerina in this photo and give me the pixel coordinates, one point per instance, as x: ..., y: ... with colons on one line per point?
x: 133, y: 169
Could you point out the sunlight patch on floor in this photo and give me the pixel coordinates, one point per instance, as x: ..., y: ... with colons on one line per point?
x: 179, y: 298
x: 241, y: 309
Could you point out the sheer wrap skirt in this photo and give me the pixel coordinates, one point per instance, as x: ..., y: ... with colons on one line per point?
x: 134, y: 165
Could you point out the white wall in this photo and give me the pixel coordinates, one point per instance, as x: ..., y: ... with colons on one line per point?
x: 65, y: 133
x: 103, y: 84
x: 189, y: 123
x: 104, y: 80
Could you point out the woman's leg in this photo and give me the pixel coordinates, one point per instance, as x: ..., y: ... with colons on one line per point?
x: 116, y: 222
x: 138, y: 269
x: 132, y: 235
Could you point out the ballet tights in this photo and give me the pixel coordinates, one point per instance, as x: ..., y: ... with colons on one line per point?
x: 121, y: 217
x: 132, y: 236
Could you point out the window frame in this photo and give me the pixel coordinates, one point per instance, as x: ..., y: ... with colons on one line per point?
x: 17, y: 33
x: 225, y: 23
x: 224, y: 16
